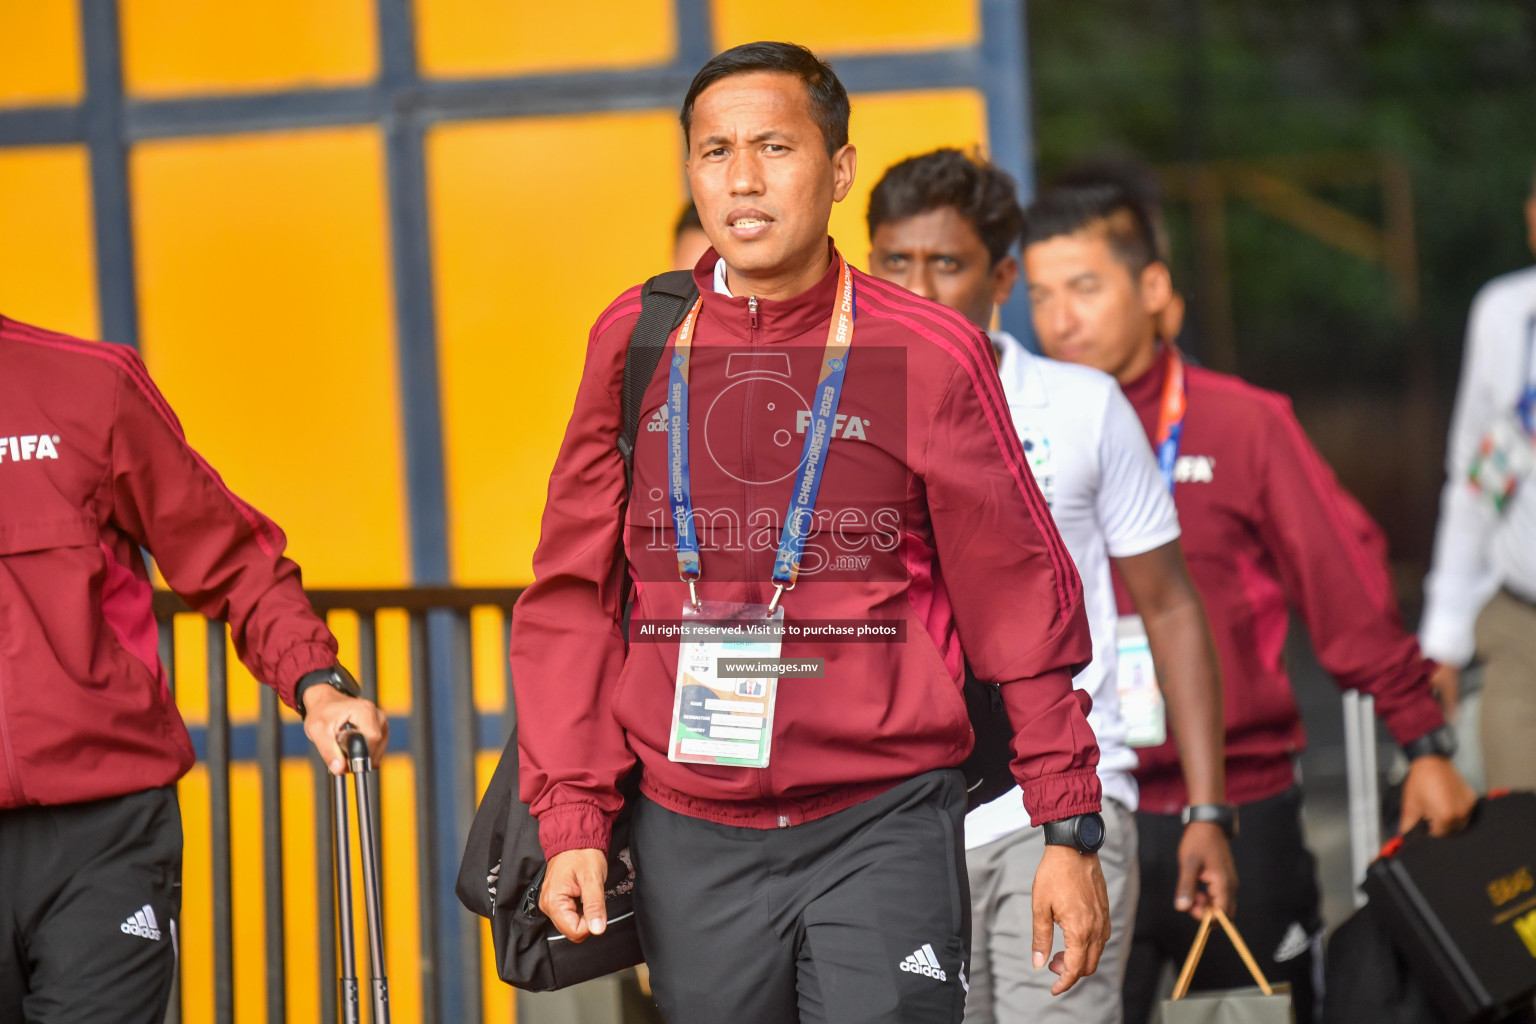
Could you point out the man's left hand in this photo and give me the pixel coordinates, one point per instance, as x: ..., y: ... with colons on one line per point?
x: 1069, y: 890
x: 329, y: 712
x: 1435, y: 790
x: 1205, y: 856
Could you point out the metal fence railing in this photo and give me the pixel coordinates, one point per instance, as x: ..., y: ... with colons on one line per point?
x: 441, y: 736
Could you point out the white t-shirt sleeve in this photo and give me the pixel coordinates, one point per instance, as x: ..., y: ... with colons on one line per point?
x: 1135, y: 510
x: 1462, y: 576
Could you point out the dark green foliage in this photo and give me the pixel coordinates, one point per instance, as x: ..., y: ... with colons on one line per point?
x: 1447, y: 86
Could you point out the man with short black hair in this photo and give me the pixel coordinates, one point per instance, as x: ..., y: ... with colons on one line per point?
x: 1266, y: 528
x: 797, y: 846
x: 942, y: 225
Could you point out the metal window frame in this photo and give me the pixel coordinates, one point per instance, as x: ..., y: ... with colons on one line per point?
x: 404, y: 105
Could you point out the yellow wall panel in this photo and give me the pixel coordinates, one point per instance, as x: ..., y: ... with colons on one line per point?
x: 266, y: 318
x: 888, y: 127
x: 41, y: 52
x: 532, y: 238
x: 195, y: 927
x: 488, y: 628
x: 849, y: 26
x: 489, y: 37
x: 180, y: 47
x: 45, y: 201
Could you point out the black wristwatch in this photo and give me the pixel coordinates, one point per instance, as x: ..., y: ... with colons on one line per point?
x: 1083, y: 832
x: 1441, y: 741
x: 336, y: 677
x: 1224, y: 816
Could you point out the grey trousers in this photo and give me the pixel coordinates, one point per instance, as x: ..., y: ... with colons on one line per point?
x: 1506, y: 642
x: 1005, y: 987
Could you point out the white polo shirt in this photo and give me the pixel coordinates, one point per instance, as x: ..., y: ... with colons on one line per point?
x: 1092, y: 461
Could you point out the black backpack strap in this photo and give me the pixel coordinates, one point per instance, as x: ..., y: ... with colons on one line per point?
x: 664, y: 301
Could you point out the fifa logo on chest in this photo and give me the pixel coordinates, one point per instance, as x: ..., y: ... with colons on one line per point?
x: 849, y: 428
x: 1194, y: 469
x: 26, y: 447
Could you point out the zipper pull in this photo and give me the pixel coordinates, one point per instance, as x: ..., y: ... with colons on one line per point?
x: 752, y: 310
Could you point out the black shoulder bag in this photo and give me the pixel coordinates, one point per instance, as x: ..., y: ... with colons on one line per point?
x: 502, y: 872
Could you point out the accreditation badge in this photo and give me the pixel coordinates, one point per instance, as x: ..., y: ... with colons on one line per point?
x: 1141, y: 701
x: 1505, y: 458
x: 723, y: 709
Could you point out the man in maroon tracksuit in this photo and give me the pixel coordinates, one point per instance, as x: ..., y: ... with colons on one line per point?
x: 799, y: 858
x: 93, y: 469
x: 1266, y: 528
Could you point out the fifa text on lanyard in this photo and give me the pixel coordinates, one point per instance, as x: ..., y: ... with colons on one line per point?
x: 818, y: 436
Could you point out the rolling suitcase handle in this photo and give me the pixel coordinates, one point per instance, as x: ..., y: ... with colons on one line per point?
x: 360, y: 766
x: 1361, y: 775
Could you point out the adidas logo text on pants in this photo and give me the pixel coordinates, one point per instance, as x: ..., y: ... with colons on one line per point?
x: 142, y: 923
x: 924, y: 962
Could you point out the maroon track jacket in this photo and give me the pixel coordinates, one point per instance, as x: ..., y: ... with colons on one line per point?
x: 94, y: 466
x: 1267, y: 526
x: 928, y: 516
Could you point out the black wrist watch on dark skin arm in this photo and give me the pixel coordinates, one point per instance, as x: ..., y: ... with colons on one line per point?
x: 1223, y: 816
x: 336, y: 677
x: 1439, y: 742
x: 1082, y: 832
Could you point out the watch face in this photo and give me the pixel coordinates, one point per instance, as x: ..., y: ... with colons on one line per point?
x: 1090, y: 831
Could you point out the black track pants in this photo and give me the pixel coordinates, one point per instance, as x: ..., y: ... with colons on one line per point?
x: 862, y: 916
x: 89, y: 895
x: 1278, y: 910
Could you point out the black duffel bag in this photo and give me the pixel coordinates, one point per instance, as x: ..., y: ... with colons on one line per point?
x: 502, y: 874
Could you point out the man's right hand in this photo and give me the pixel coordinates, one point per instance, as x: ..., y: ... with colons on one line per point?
x: 1069, y: 891
x: 1435, y: 792
x: 572, y: 896
x: 1205, y: 856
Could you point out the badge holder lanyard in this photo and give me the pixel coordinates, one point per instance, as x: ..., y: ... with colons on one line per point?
x: 728, y: 719
x: 1141, y: 701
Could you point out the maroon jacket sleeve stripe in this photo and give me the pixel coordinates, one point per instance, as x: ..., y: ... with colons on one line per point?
x: 622, y: 306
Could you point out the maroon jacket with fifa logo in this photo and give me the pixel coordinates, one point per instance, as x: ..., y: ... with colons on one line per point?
x: 1267, y: 527
x: 928, y: 516
x: 93, y: 467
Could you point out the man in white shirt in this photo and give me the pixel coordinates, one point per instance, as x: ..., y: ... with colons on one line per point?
x: 1480, y: 596
x: 941, y: 225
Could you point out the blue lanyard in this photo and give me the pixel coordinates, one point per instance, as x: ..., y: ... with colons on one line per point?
x: 818, y: 438
x: 679, y: 489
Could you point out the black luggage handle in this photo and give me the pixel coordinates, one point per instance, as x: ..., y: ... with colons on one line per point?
x: 360, y: 767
